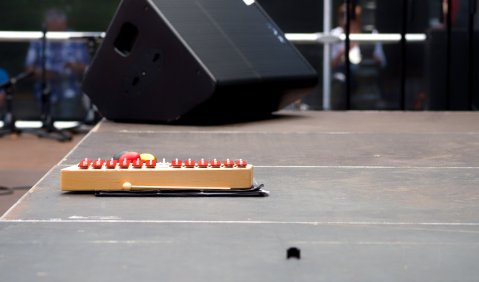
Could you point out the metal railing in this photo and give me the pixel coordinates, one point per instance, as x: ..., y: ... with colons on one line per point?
x: 27, y: 36
x: 324, y: 38
x: 327, y: 39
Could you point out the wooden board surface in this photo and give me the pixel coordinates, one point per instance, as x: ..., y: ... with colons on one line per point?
x: 74, y: 178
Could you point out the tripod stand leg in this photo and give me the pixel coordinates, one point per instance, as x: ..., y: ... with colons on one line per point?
x: 9, y: 126
x: 48, y: 130
x: 9, y: 119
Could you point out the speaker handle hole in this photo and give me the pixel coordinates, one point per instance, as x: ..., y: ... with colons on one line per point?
x: 135, y: 81
x: 126, y: 39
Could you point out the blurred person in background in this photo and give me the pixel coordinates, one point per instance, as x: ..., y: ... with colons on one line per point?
x: 338, y: 49
x: 65, y: 64
x: 371, y: 56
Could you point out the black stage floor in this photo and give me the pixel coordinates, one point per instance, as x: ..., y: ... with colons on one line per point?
x: 365, y: 196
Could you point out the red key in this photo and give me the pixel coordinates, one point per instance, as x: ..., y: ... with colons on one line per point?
x: 150, y: 163
x: 215, y: 163
x: 125, y: 163
x: 189, y: 163
x: 98, y: 164
x: 176, y: 163
x: 111, y: 164
x: 228, y: 163
x: 84, y: 164
x: 241, y: 163
x: 202, y: 163
x: 131, y: 156
x: 138, y: 163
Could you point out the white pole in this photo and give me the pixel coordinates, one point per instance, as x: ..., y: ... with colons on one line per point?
x: 327, y: 12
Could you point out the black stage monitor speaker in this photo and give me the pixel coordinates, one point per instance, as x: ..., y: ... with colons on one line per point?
x: 164, y: 60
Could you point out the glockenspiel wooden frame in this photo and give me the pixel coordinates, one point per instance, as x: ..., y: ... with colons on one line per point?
x: 74, y: 178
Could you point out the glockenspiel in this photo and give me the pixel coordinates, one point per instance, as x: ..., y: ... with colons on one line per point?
x: 137, y: 174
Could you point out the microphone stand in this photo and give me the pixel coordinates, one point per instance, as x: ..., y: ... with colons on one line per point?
x: 48, y: 129
x: 9, y: 120
x: 92, y: 113
x: 93, y: 42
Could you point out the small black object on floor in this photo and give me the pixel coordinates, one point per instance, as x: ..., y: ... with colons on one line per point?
x: 254, y: 191
x: 293, y: 253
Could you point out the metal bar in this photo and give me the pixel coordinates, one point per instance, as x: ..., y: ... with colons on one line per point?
x: 448, y: 54
x: 45, y: 87
x: 471, y: 61
x: 384, y: 37
x: 27, y: 36
x: 357, y: 37
x: 402, y: 101
x: 327, y: 12
x: 319, y: 37
x: 346, y: 52
x: 304, y: 37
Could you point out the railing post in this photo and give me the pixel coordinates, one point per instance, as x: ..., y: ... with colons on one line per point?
x: 327, y: 12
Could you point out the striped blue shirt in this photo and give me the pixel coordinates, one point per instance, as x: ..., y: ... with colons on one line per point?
x: 58, y: 54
